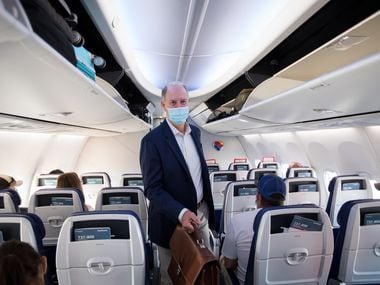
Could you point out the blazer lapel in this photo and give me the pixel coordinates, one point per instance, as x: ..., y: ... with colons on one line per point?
x: 170, y: 139
x: 197, y: 145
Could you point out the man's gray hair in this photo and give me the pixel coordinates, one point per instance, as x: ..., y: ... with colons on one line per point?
x: 173, y: 83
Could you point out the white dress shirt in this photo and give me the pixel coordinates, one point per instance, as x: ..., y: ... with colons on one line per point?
x: 189, y: 151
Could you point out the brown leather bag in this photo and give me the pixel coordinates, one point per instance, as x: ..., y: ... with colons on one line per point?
x: 192, y: 262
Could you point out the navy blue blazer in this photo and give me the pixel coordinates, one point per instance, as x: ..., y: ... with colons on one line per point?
x: 168, y: 184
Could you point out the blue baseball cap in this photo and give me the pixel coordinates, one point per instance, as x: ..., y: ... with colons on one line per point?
x: 272, y: 188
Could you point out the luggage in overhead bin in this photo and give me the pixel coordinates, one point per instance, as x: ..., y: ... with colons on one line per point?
x: 51, y: 27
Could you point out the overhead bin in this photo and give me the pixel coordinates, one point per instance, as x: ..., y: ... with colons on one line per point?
x: 36, y: 82
x: 350, y: 90
x: 320, y: 79
x: 235, y: 125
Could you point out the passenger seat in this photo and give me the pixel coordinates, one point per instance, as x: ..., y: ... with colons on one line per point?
x: 100, y: 248
x: 357, y: 244
x: 291, y: 245
x: 124, y: 198
x: 9, y: 201
x: 346, y: 188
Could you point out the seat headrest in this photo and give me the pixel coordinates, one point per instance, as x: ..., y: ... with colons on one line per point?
x: 333, y: 181
x: 16, y: 199
x: 262, y: 211
x: 111, y: 212
x: 79, y: 192
x: 344, y: 211
x: 37, y: 225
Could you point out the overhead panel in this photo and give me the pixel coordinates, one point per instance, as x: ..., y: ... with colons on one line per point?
x: 235, y: 123
x: 346, y: 91
x: 36, y: 82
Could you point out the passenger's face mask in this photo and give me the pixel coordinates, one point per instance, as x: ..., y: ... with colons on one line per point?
x: 179, y: 115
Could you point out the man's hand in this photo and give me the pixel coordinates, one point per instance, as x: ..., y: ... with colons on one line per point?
x: 189, y: 220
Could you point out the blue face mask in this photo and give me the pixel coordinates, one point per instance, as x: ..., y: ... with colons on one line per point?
x: 179, y: 115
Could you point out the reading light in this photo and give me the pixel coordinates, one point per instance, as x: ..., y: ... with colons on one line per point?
x: 347, y: 42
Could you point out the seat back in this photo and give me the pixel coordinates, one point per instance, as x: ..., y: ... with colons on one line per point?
x: 9, y: 201
x: 24, y: 227
x: 357, y: 246
x: 47, y: 181
x: 346, y: 188
x: 219, y: 181
x: 302, y: 191
x: 101, y: 248
x: 124, y: 198
x: 291, y: 245
x: 213, y: 167
x: 44, y: 181
x: 257, y: 173
x: 132, y: 179
x: 92, y: 182
x: 269, y: 164
x: 53, y: 206
x: 301, y: 172
x: 239, y: 196
x: 241, y: 167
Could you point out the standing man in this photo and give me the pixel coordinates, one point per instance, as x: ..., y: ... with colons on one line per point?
x: 175, y: 175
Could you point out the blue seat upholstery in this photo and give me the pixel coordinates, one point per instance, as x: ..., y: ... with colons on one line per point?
x: 346, y: 188
x: 281, y: 254
x: 102, y: 247
x: 9, y: 201
x: 357, y: 244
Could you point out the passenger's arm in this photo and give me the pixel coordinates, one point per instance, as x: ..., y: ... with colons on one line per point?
x: 151, y: 167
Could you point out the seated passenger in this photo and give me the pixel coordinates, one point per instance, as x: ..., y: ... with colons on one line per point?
x: 20, y: 264
x: 56, y: 171
x: 8, y: 182
x: 237, y: 243
x: 295, y: 164
x: 71, y: 180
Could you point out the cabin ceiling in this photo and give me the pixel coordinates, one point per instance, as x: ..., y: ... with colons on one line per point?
x: 205, y: 44
x: 217, y: 48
